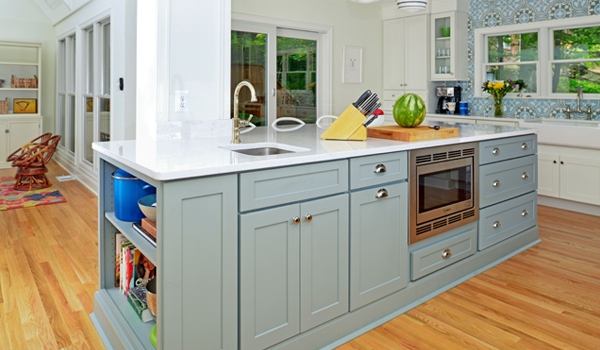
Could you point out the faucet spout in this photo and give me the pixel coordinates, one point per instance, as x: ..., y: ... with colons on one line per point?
x: 236, y: 122
x: 579, y: 97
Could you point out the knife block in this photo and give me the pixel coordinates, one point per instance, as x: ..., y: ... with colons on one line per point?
x: 348, y: 126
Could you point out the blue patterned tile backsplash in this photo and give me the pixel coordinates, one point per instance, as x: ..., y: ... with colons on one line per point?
x: 493, y: 13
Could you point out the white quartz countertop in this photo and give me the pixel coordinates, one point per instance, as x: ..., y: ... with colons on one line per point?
x: 165, y: 160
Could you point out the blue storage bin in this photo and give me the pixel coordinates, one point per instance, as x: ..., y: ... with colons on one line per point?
x: 128, y: 189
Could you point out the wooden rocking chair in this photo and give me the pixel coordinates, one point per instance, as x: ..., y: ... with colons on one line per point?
x: 31, y: 161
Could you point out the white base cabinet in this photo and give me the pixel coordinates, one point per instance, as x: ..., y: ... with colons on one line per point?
x: 294, y: 269
x: 569, y: 173
x: 15, y: 132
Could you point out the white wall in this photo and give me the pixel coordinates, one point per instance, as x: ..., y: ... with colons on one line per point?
x: 23, y: 21
x: 353, y: 24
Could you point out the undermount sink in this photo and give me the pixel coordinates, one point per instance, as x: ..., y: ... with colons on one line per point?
x: 263, y: 148
x: 563, y: 122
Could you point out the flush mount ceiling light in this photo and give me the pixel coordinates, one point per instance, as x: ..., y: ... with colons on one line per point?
x: 412, y: 5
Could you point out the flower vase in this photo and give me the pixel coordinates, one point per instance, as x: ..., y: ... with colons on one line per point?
x: 498, y: 107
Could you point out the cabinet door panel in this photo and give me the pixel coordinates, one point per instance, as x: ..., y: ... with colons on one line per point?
x: 393, y: 54
x: 548, y: 175
x: 378, y: 244
x: 415, y: 42
x: 324, y: 260
x: 269, y: 277
x: 21, y: 133
x: 4, y: 150
x: 504, y: 180
x: 580, y: 179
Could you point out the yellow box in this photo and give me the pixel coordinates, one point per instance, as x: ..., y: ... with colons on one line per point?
x: 25, y: 105
x: 348, y: 126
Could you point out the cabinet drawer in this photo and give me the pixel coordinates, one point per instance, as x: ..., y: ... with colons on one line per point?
x: 265, y: 188
x: 392, y: 95
x: 503, y: 149
x: 506, y: 219
x: 504, y: 180
x: 431, y: 258
x: 378, y: 169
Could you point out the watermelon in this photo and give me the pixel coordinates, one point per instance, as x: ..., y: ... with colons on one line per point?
x: 409, y: 110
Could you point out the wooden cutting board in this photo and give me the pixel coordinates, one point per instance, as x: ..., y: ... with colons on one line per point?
x: 418, y: 133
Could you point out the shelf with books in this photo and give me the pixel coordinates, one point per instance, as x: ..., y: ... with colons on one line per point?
x: 125, y: 227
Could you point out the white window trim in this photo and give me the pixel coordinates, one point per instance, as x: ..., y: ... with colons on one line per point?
x: 324, y: 51
x: 544, y: 30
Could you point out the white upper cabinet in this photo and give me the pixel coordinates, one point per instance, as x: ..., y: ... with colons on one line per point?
x: 449, y: 46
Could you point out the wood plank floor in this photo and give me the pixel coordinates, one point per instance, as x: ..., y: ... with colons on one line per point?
x: 547, y: 297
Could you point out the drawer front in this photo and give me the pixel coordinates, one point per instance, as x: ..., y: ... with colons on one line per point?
x: 506, y: 219
x: 378, y: 169
x: 392, y: 95
x: 265, y: 188
x: 504, y: 180
x: 503, y: 149
x: 441, y: 254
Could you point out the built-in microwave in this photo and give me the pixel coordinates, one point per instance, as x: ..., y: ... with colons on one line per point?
x: 443, y: 189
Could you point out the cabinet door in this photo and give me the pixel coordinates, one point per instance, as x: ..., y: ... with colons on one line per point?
x: 393, y: 54
x: 269, y: 277
x: 22, y: 132
x: 378, y: 243
x: 548, y: 174
x: 580, y: 179
x: 415, y: 49
x: 4, y: 150
x: 324, y: 260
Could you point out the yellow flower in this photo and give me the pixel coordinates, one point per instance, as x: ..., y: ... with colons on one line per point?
x: 489, y: 85
x: 499, y: 85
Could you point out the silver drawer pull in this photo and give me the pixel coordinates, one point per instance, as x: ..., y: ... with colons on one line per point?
x: 446, y: 253
x: 524, y: 213
x: 308, y: 217
x: 380, y: 168
x: 496, y: 183
x: 496, y: 150
x: 524, y: 145
x: 296, y: 220
x: 525, y: 176
x: 382, y: 193
x: 496, y: 224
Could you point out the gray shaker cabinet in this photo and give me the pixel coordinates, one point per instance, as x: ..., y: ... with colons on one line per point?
x: 293, y: 269
x: 379, y: 243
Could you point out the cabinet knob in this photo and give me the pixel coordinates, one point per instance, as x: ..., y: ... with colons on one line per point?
x: 382, y: 193
x: 525, y: 176
x: 496, y: 150
x: 308, y: 217
x: 296, y: 220
x: 561, y: 162
x: 380, y: 168
x: 524, y: 213
x: 496, y: 224
x: 6, y: 131
x: 496, y: 183
x: 524, y: 145
x: 554, y: 161
x: 446, y: 253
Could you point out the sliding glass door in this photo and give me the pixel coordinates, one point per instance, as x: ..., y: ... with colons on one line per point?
x: 282, y: 64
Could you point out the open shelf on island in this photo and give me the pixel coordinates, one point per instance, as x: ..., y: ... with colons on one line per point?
x: 126, y: 228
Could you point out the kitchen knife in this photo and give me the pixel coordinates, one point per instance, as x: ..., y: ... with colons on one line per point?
x: 362, y: 98
x: 373, y: 109
x: 370, y: 120
x: 363, y: 106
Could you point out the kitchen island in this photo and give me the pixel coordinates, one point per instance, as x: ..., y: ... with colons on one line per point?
x: 300, y: 250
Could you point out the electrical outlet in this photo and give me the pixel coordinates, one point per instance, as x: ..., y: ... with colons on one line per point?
x: 182, y: 101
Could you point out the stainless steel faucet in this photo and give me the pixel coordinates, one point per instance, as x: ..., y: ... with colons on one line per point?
x: 588, y: 111
x: 238, y: 123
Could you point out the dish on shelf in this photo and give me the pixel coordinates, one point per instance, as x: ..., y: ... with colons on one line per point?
x: 147, y: 205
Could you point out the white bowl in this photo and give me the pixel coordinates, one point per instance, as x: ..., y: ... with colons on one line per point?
x: 145, y: 203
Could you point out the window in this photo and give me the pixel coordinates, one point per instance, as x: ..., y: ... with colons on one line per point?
x: 65, y: 81
x: 286, y: 68
x: 554, y: 58
x: 513, y: 56
x: 576, y: 60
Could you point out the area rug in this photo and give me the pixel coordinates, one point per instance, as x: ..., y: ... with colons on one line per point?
x: 13, y: 199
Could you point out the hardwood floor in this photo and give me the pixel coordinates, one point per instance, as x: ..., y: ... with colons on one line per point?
x: 547, y: 297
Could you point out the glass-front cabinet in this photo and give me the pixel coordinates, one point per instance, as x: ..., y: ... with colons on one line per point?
x: 449, y: 46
